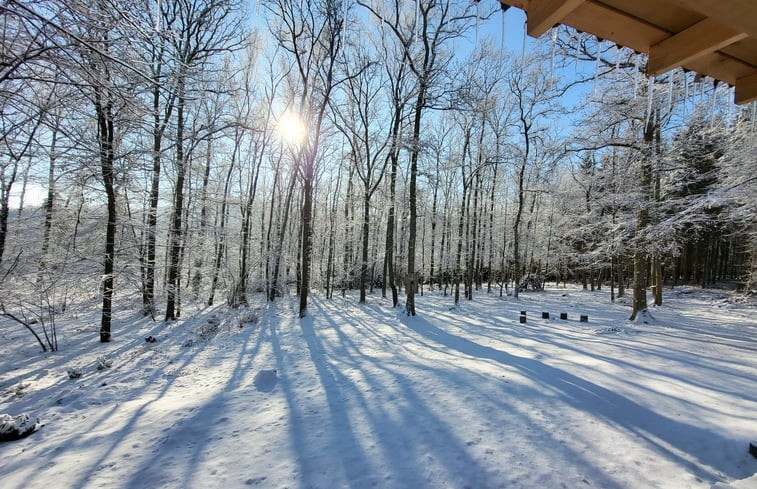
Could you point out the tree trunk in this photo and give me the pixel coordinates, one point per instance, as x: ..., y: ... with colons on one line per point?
x: 273, y: 286
x: 365, y: 231
x: 307, y: 216
x: 641, y: 258
x: 105, y: 133
x: 176, y: 216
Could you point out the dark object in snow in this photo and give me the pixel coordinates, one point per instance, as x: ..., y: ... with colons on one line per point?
x: 753, y: 449
x: 522, y: 313
x: 189, y: 343
x: 104, y: 362
x: 523, y: 319
x: 16, y: 427
x: 74, y: 373
x: 584, y: 318
x: 545, y: 315
x: 266, y: 380
x: 564, y: 316
x: 531, y: 283
x: 151, y: 339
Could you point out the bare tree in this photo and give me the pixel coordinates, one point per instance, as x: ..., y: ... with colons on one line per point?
x: 359, y: 121
x: 311, y: 34
x: 202, y: 29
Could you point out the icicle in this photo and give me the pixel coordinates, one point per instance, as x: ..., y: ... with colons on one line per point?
x: 754, y: 113
x: 731, y: 95
x: 523, y: 47
x: 554, y: 46
x: 478, y: 18
x: 381, y: 21
x: 635, y: 75
x: 670, y: 92
x: 650, y: 96
x: 618, y: 50
x: 685, y: 92
x: 596, y: 65
x: 417, y: 15
x: 504, y: 30
x: 157, y: 16
x: 712, y: 104
x: 344, y: 21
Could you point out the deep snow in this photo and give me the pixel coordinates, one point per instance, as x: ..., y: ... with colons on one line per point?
x: 361, y: 396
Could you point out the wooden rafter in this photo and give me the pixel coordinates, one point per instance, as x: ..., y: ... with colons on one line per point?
x: 702, y: 38
x: 543, y: 14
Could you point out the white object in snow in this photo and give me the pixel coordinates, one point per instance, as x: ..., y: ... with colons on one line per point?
x: 266, y: 380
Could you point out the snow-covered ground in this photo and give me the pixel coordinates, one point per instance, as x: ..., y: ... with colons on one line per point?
x: 363, y: 396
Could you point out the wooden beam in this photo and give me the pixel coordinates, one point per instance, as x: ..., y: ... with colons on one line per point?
x: 543, y: 14
x: 612, y: 24
x: 702, y: 38
x: 738, y: 14
x: 746, y: 89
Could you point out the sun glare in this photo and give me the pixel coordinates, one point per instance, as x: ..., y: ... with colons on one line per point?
x: 291, y: 128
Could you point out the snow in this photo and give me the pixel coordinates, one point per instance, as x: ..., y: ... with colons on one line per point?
x: 362, y: 396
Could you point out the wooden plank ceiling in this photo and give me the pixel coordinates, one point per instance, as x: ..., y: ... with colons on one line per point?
x: 716, y: 38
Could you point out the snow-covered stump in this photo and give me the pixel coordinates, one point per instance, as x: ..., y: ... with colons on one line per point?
x: 16, y: 427
x: 584, y: 318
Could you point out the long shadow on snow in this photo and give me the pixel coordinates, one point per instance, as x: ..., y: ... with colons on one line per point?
x: 405, y: 451
x: 592, y: 398
x: 388, y: 430
x: 201, y: 425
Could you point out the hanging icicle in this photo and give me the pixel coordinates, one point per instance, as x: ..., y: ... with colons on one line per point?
x: 417, y: 16
x: 618, y: 51
x: 478, y: 19
x: 596, y: 65
x: 381, y: 21
x: 523, y: 46
x: 730, y: 95
x: 554, y: 48
x: 344, y: 21
x: 635, y: 75
x: 504, y: 27
x: 157, y: 16
x: 685, y: 91
x: 670, y: 92
x: 754, y: 113
x: 713, y: 99
x: 650, y: 96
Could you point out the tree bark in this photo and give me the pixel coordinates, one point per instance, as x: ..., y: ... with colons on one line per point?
x: 105, y: 133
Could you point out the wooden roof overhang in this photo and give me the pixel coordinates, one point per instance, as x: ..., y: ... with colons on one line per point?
x: 716, y: 38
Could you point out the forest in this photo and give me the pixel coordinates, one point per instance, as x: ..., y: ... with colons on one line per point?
x: 162, y: 153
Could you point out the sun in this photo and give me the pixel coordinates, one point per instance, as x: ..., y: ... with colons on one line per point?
x: 292, y: 128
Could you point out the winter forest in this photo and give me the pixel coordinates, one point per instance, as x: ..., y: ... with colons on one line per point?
x: 164, y: 157
x: 208, y: 150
